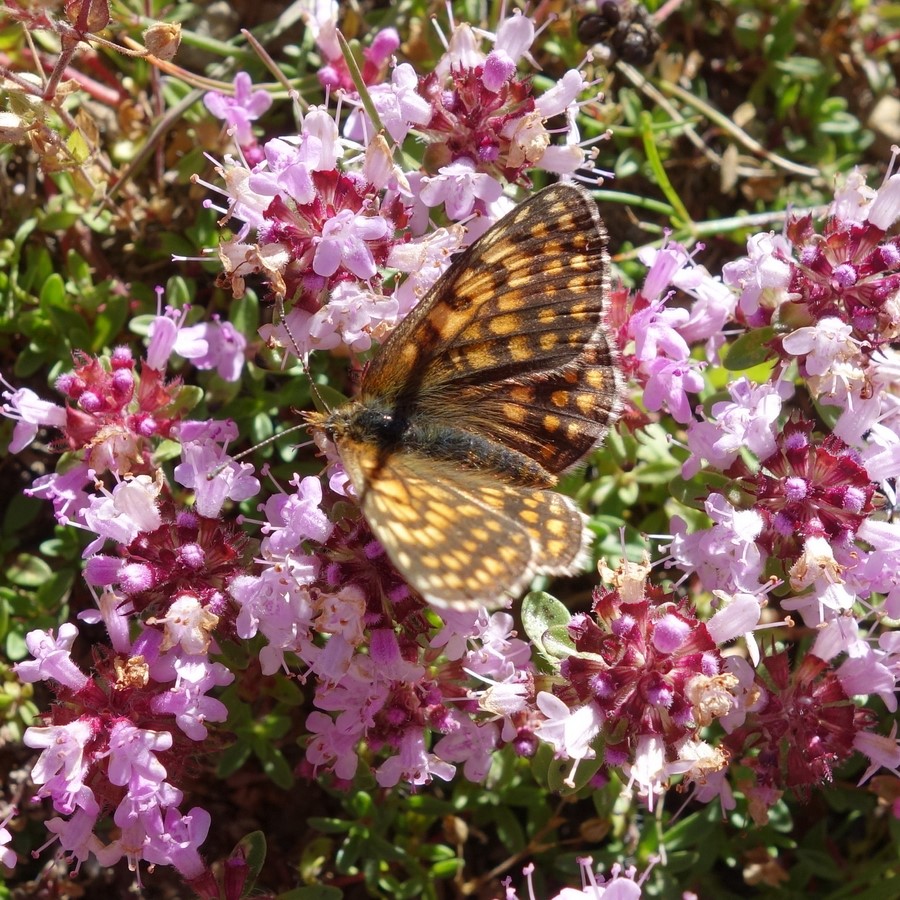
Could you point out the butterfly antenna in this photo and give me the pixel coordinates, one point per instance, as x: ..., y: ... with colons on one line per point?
x: 302, y: 358
x: 264, y: 443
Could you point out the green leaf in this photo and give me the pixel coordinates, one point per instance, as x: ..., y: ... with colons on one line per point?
x: 244, y: 315
x: 350, y: 851
x: 287, y: 692
x: 274, y: 764
x: 178, y: 293
x: 313, y: 892
x: 53, y: 291
x: 252, y: 847
x: 57, y: 305
x: 20, y: 512
x: 541, y: 611
x: 557, y: 643
x: 545, y: 620
x: 55, y: 589
x: 750, y: 349
x: 446, y: 868
x: 561, y: 771
x: 78, y: 147
x: 362, y: 805
x: 109, y: 323
x: 28, y: 571
x: 4, y: 618
x: 329, y: 825
x: 436, y: 852
x: 821, y: 862
x: 15, y: 646
x: 232, y: 758
x: 509, y: 830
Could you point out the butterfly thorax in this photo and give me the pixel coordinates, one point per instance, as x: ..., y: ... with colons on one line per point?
x: 391, y: 429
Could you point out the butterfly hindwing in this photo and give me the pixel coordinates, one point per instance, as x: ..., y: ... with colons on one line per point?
x: 461, y: 538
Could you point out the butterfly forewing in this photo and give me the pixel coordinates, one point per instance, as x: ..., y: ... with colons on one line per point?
x: 512, y: 337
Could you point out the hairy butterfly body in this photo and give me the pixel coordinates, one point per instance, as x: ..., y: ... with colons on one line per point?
x: 499, y: 380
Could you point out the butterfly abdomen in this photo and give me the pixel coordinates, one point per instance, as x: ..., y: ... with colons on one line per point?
x: 474, y: 451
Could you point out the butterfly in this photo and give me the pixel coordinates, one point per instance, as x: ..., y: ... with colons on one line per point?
x: 501, y: 378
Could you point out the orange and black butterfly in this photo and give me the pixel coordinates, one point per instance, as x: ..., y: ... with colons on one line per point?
x: 499, y: 380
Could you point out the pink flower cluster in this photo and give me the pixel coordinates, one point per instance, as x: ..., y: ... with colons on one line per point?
x: 325, y: 213
x: 118, y: 738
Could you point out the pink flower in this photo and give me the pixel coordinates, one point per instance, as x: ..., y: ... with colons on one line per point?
x: 62, y: 766
x: 514, y: 36
x: 241, y: 109
x: 213, y: 475
x: 294, y: 518
x: 471, y: 744
x: 52, y: 659
x: 7, y: 854
x: 882, y: 749
x: 399, y: 104
x: 223, y: 348
x: 413, y: 764
x: 332, y: 746
x: 823, y: 345
x: 650, y: 772
x: 76, y: 834
x: 764, y: 275
x: 123, y: 514
x: 459, y: 186
x: 343, y: 242
x: 132, y: 757
x: 187, y: 701
x: 176, y: 843
x: 30, y: 413
x: 570, y: 732
x: 668, y: 384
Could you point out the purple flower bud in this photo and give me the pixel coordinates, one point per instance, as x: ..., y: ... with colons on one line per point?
x: 122, y: 385
x: 373, y: 550
x: 670, y: 633
x: 854, y: 499
x: 796, y: 489
x: 602, y: 685
x: 136, y: 577
x: 383, y: 45
x: 90, y: 402
x: 623, y: 626
x: 70, y: 385
x: 122, y: 358
x: 498, y: 69
x: 332, y: 574
x: 660, y: 695
x: 783, y: 524
x: 844, y: 276
x: 890, y: 255
x: 796, y: 441
x: 192, y: 556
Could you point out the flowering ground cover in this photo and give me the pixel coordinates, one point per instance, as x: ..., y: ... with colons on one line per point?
x: 246, y: 660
